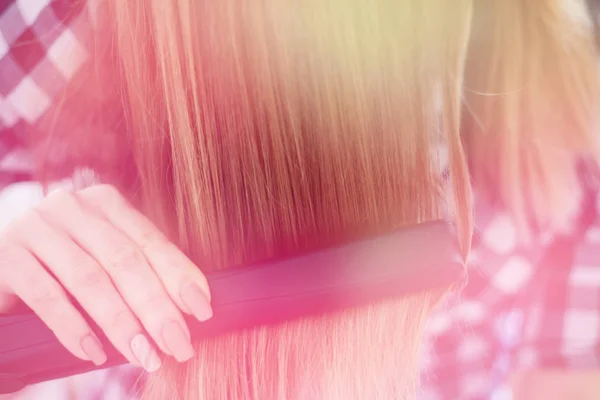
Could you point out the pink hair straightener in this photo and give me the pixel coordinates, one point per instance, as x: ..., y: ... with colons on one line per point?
x: 413, y: 259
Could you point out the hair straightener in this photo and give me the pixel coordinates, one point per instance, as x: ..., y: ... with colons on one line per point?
x: 417, y: 258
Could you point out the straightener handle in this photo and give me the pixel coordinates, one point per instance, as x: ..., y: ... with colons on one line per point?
x: 11, y: 383
x: 410, y: 260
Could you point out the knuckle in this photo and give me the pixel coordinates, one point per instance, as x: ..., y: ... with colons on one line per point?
x: 91, y: 277
x: 9, y: 255
x: 121, y: 319
x: 79, y: 260
x: 150, y: 239
x: 67, y: 324
x: 153, y: 303
x: 126, y: 258
x: 19, y: 231
x: 85, y: 272
x: 104, y: 192
x: 59, y: 199
x: 64, y: 316
x: 108, y: 190
x: 6, y: 234
x: 45, y: 297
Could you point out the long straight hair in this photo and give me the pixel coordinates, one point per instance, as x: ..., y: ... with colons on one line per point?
x: 253, y: 130
x: 263, y: 129
x: 530, y: 114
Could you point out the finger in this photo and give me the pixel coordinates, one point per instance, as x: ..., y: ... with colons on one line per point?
x: 28, y: 279
x: 184, y: 281
x: 129, y: 271
x: 8, y: 300
x: 87, y: 282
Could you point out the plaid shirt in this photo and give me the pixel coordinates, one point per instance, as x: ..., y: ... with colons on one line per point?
x: 39, y: 53
x: 496, y: 325
x: 513, y: 315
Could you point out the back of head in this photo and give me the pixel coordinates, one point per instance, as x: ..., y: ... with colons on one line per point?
x: 264, y: 129
x: 531, y: 99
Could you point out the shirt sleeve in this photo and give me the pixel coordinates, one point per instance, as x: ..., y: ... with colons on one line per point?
x: 40, y: 51
x: 562, y: 328
x: 470, y: 340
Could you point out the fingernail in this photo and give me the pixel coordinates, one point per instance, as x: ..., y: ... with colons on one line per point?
x: 177, y: 341
x: 93, y: 349
x: 197, y: 302
x: 145, y: 353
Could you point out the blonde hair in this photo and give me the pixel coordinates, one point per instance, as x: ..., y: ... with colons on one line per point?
x: 263, y: 129
x: 258, y: 130
x: 530, y: 99
x: 288, y: 127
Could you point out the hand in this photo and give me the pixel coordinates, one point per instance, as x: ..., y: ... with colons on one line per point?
x: 127, y: 276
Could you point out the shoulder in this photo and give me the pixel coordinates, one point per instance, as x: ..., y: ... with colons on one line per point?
x: 41, y: 48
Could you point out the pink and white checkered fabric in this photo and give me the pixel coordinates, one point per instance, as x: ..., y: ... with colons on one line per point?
x: 506, y: 320
x: 39, y: 53
x: 563, y: 328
